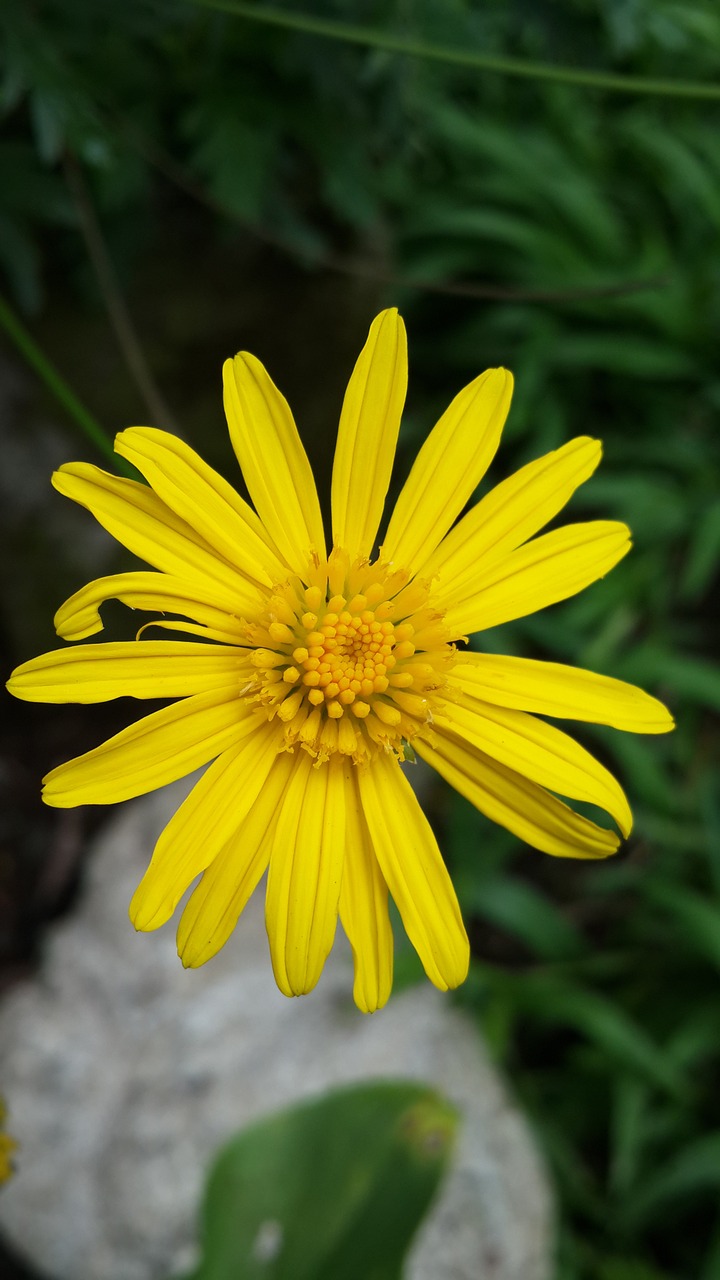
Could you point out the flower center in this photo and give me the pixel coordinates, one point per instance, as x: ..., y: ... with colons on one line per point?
x: 349, y: 658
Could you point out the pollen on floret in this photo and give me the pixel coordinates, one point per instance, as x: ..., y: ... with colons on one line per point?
x: 336, y: 659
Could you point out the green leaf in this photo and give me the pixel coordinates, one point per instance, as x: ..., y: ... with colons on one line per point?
x: 235, y: 151
x: 697, y: 918
x: 20, y: 260
x: 703, y: 558
x: 627, y: 1133
x: 602, y: 1022
x: 332, y: 1187
x: 625, y: 353
x: 522, y: 910
x: 675, y: 163
x: 695, y: 1168
x: 692, y: 678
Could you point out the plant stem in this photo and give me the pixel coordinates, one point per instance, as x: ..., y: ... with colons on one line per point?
x: 372, y: 38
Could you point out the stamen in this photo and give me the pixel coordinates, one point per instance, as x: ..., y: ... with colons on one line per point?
x: 405, y: 650
x: 313, y: 599
x: 281, y: 633
x: 291, y: 705
x: 388, y: 715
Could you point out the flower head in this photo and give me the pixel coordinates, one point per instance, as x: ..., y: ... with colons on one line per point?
x: 316, y: 674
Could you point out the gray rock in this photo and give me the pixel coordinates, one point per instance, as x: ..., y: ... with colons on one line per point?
x: 123, y: 1074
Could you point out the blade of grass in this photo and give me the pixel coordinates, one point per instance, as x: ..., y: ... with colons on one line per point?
x: 58, y: 387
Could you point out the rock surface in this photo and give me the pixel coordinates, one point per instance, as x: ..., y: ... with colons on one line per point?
x: 123, y: 1074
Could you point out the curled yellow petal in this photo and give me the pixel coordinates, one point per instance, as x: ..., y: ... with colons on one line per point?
x: 206, y: 603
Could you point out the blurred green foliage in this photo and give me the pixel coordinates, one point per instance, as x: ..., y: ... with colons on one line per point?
x: 574, y: 235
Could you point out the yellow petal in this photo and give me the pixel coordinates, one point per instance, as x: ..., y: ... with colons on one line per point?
x: 205, y: 822
x: 213, y: 910
x: 306, y: 863
x: 227, y: 635
x: 537, y: 751
x: 511, y: 513
x: 367, y: 435
x: 203, y: 499
x: 141, y: 521
x: 126, y: 669
x: 448, y: 468
x: 207, y: 603
x: 160, y: 748
x: 550, y: 568
x: 414, y: 871
x: 552, y: 689
x: 364, y: 906
x: 513, y: 802
x: 273, y: 461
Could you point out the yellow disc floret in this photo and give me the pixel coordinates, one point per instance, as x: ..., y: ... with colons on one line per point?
x: 350, y: 658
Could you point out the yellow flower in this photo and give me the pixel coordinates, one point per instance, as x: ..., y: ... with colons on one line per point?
x: 8, y: 1146
x: 321, y: 672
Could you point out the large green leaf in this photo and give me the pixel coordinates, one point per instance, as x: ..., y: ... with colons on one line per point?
x: 332, y: 1187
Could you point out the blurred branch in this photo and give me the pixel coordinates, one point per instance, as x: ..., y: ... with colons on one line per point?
x: 497, y: 293
x: 56, y: 384
x: 111, y: 293
x: 372, y: 38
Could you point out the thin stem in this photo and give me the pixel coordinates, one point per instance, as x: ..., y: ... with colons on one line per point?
x: 372, y: 38
x: 115, y: 304
x: 56, y: 384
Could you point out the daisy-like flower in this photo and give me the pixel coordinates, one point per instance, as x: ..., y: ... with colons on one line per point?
x: 317, y: 673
